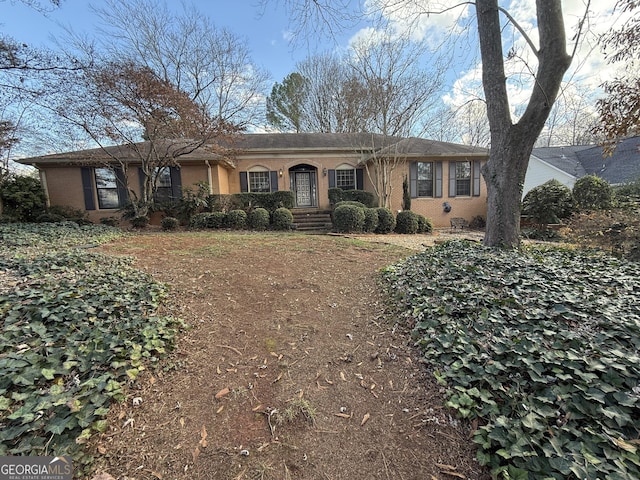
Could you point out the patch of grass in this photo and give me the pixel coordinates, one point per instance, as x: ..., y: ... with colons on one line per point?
x: 298, y: 409
x: 540, y: 346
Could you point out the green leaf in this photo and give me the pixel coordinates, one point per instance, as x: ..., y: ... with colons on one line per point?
x: 48, y: 373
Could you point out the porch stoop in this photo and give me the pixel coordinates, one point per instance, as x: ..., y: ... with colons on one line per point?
x: 312, y: 220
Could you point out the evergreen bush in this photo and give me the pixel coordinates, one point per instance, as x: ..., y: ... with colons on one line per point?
x: 424, y: 224
x: 282, y: 219
x: 23, y: 198
x: 407, y: 222
x: 548, y: 203
x: 592, y: 193
x: 236, y: 219
x: 258, y: 219
x: 348, y: 218
x: 169, y: 223
x: 370, y: 220
x: 386, y: 220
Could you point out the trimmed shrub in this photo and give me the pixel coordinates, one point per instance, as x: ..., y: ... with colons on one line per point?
x: 70, y: 213
x: 140, y: 221
x: 370, y: 219
x: 424, y: 224
x: 386, y: 220
x: 199, y: 221
x: 548, y: 203
x: 7, y: 219
x: 282, y: 219
x: 236, y: 219
x: 48, y: 217
x: 110, y: 221
x: 592, y: 193
x: 337, y: 195
x: 350, y: 202
x: 407, y: 222
x: 169, y: 223
x: 348, y: 218
x: 258, y: 219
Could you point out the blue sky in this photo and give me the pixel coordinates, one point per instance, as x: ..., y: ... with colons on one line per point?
x: 264, y: 29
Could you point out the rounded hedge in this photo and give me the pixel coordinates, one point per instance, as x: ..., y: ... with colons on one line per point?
x: 169, y: 223
x: 282, y: 219
x: 370, y: 220
x: 424, y: 224
x: 236, y: 219
x: 348, y: 218
x: 386, y: 220
x: 407, y: 222
x: 592, y: 193
x: 258, y: 219
x: 548, y: 203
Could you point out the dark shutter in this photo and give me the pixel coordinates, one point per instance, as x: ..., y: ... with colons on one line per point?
x: 274, y: 180
x: 176, y: 182
x: 121, y: 183
x: 359, y: 179
x: 244, y: 182
x: 476, y: 178
x: 87, y: 188
x: 452, y: 178
x: 413, y: 179
x: 141, y: 177
x: 438, y: 174
x: 332, y: 179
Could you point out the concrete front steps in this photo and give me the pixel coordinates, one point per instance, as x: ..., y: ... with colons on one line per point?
x: 311, y: 220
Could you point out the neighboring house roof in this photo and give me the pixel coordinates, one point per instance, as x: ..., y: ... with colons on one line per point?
x: 621, y: 167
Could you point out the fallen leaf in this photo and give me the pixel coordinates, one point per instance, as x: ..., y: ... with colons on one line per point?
x: 218, y: 371
x: 365, y: 419
x: 343, y: 377
x: 255, y: 409
x: 277, y: 378
x: 102, y: 449
x: 157, y: 475
x: 195, y: 454
x: 182, y: 422
x: 222, y: 393
x: 342, y: 415
x: 203, y: 437
x: 220, y: 409
x: 444, y: 466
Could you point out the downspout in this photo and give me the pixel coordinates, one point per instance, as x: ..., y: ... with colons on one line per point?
x: 209, y: 177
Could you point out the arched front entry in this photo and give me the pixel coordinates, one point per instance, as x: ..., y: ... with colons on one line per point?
x: 304, y: 185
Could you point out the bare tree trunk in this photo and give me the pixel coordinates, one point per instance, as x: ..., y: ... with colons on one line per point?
x: 511, y: 144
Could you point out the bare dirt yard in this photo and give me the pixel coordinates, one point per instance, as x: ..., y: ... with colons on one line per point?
x: 291, y: 369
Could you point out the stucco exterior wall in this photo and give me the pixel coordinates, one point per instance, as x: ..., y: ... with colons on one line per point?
x: 64, y: 186
x: 465, y: 207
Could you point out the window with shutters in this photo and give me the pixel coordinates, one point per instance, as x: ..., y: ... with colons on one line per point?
x: 259, y: 180
x: 346, y: 177
x: 425, y: 179
x: 463, y: 178
x: 107, y: 188
x: 163, y: 185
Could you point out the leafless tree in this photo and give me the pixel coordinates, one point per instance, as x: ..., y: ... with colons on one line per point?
x: 211, y: 64
x: 138, y: 118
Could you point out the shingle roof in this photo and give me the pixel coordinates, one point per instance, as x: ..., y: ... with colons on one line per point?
x: 621, y: 167
x: 282, y: 142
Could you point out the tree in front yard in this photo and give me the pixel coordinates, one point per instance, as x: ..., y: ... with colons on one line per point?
x: 124, y: 103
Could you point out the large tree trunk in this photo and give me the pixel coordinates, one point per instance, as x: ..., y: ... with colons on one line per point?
x: 511, y: 144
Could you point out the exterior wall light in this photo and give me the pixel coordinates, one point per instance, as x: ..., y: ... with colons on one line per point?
x: 281, y: 172
x: 446, y: 207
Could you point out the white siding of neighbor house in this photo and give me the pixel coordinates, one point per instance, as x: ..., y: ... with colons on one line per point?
x: 539, y: 172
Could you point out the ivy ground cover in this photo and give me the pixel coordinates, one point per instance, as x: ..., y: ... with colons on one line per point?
x: 76, y: 327
x: 540, y: 346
